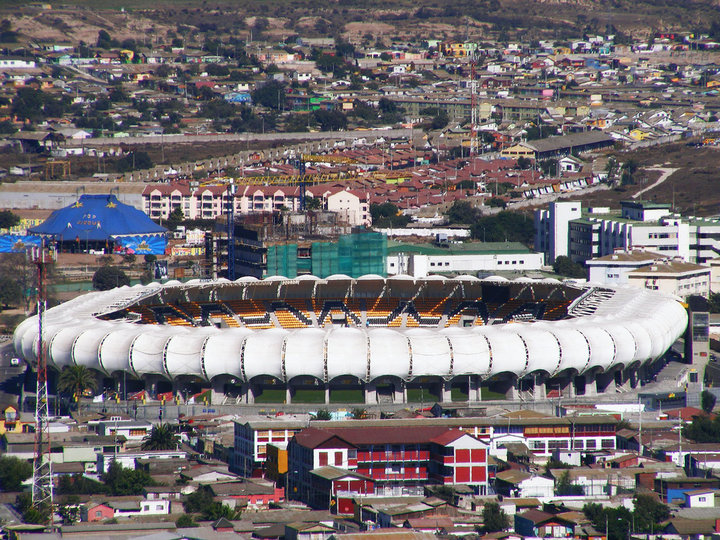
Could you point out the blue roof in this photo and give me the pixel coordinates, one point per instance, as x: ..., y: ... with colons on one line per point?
x: 97, y: 217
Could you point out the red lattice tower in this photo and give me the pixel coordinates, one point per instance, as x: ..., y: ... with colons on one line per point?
x: 42, y: 481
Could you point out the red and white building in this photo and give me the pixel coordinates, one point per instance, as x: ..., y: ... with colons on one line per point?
x: 398, y: 460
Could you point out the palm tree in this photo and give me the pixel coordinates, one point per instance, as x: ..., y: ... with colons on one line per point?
x: 161, y: 438
x: 75, y: 380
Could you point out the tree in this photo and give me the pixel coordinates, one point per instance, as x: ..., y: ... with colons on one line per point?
x: 358, y: 413
x: 121, y: 481
x: 10, y: 291
x: 175, y: 218
x: 8, y: 219
x: 7, y: 127
x: 271, y: 95
x: 28, y: 104
x: 707, y: 401
x: 714, y: 302
x: 161, y: 437
x: 524, y: 163
x: 387, y: 215
x: 322, y: 414
x: 185, y: 521
x: 13, y: 472
x: 109, y: 277
x: 649, y: 513
x: 75, y: 380
x: 703, y: 429
x: 505, y: 226
x: 494, y: 518
x: 462, y: 212
x: 330, y: 120
x: 564, y: 266
x: 564, y: 486
x: 313, y: 203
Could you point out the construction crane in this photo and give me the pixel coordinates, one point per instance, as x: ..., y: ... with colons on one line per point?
x: 327, y: 158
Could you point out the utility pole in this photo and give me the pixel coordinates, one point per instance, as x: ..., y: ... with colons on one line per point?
x: 473, y: 106
x: 42, y: 479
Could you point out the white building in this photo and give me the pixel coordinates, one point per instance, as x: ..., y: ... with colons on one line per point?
x: 352, y: 206
x: 700, y: 498
x: 563, y: 229
x: 420, y: 260
x: 614, y: 269
x: 551, y: 229
x: 130, y: 429
x: 673, y: 277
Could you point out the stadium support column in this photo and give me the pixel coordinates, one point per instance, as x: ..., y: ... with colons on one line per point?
x: 370, y: 393
x: 248, y: 391
x: 539, y: 390
x: 446, y: 391
x: 288, y: 393
x: 217, y: 392
x: 590, y: 385
x: 327, y: 393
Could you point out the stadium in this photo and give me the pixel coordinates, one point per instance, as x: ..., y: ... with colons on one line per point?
x: 365, y: 340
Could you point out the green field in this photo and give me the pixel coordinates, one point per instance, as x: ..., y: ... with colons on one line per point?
x: 348, y: 395
x: 422, y: 395
x: 270, y: 395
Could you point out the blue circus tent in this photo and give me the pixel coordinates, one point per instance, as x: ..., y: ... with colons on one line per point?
x: 98, y: 218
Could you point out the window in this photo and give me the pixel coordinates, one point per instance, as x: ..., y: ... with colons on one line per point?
x: 338, y: 458
x: 323, y: 458
x: 608, y: 443
x: 159, y: 507
x: 590, y: 444
x: 98, y: 514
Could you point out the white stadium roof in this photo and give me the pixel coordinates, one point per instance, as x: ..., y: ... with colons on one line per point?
x: 626, y: 327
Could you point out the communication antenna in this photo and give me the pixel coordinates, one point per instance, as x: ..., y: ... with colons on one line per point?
x: 42, y: 480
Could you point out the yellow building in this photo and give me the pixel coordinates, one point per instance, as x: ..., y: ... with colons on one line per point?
x: 276, y: 464
x: 11, y: 421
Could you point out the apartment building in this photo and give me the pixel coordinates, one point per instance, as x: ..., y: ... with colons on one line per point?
x: 564, y: 229
x: 673, y: 277
x: 398, y: 460
x: 253, y: 437
x: 210, y: 201
x: 541, y: 434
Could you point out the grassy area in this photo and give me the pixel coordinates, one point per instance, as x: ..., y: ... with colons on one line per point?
x: 459, y: 393
x: 487, y: 394
x: 422, y: 395
x: 347, y: 395
x: 307, y: 395
x: 270, y: 395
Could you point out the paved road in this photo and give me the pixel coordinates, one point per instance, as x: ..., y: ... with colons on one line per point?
x: 666, y: 173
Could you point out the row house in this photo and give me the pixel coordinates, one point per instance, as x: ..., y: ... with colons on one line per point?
x: 396, y: 461
x: 210, y: 202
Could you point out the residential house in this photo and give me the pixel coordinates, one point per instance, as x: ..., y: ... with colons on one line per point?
x: 538, y: 524
x: 516, y: 483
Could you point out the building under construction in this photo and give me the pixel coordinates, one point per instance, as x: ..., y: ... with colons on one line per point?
x: 295, y: 244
